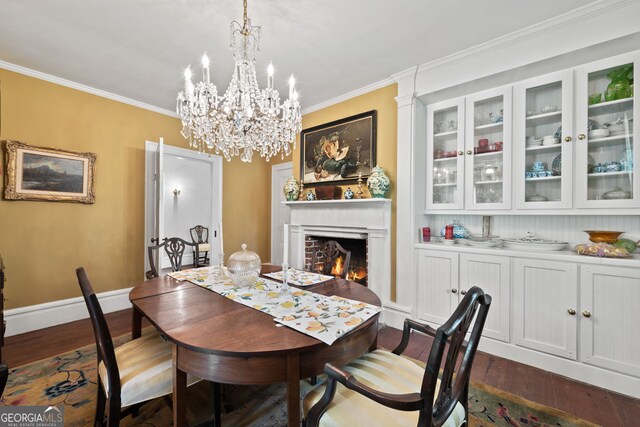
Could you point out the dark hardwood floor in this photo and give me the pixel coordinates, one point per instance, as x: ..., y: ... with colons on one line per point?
x: 585, y: 401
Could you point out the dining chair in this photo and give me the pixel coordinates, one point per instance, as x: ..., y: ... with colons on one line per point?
x: 174, y: 248
x: 135, y: 372
x: 200, y: 236
x: 330, y: 251
x: 386, y: 388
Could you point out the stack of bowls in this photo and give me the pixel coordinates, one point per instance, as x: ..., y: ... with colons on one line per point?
x: 550, y: 140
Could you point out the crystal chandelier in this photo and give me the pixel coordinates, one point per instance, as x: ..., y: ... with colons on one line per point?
x: 245, y: 119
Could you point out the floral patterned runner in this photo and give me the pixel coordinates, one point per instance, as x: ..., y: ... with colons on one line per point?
x: 300, y: 277
x: 193, y: 273
x: 325, y: 318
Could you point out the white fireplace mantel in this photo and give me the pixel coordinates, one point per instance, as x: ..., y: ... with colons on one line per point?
x: 368, y: 219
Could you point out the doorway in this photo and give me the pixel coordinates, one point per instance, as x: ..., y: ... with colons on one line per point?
x: 280, y: 214
x: 183, y: 188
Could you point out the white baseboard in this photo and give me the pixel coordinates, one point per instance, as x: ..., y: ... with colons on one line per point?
x: 39, y: 316
x: 394, y: 314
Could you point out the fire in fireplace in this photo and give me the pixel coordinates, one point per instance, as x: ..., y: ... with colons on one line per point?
x: 357, y: 269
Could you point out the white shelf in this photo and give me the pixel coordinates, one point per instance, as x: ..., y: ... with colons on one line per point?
x: 544, y: 118
x: 543, y: 148
x: 489, y: 154
x: 445, y: 159
x: 600, y: 142
x: 546, y: 178
x: 609, y: 106
x: 489, y: 126
x: 608, y: 174
x: 497, y: 181
x: 448, y: 184
x: 448, y: 133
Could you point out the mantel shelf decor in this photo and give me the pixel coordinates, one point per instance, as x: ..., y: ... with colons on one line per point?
x: 40, y: 173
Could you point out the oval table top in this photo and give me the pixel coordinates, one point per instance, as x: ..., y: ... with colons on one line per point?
x: 202, y: 320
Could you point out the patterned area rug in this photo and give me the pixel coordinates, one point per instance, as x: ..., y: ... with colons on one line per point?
x: 70, y: 380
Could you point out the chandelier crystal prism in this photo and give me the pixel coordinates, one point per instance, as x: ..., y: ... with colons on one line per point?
x: 245, y: 119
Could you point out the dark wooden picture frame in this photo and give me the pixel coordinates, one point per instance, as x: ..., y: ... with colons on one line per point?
x: 337, y: 152
x: 41, y: 173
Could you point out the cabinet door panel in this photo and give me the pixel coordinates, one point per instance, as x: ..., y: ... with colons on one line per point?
x: 445, y: 140
x: 437, y: 276
x: 543, y: 294
x: 542, y: 168
x: 610, y: 337
x: 491, y: 274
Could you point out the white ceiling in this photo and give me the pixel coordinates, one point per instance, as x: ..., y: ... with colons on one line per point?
x: 139, y: 48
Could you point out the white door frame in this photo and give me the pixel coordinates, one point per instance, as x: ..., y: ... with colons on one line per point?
x: 149, y: 193
x: 276, y: 198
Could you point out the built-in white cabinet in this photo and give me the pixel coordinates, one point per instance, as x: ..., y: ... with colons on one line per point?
x: 609, y: 318
x: 469, y: 152
x: 545, y: 306
x: 607, y: 159
x: 565, y: 140
x: 444, y: 278
x: 543, y: 138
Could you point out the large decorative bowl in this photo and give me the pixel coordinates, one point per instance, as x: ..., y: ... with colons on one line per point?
x: 597, y: 236
x: 244, y: 267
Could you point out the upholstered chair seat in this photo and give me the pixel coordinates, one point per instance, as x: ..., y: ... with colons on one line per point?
x: 384, y: 371
x: 145, y: 370
x: 204, y: 247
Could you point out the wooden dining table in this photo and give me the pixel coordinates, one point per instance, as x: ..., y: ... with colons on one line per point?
x: 223, y: 341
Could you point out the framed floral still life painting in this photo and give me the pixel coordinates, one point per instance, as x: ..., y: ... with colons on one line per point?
x: 39, y: 173
x: 338, y: 152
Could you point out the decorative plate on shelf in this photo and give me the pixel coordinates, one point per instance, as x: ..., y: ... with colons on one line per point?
x: 556, y: 165
x: 482, y: 242
x: 533, y: 243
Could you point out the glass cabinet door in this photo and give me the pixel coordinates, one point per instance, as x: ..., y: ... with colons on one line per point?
x: 445, y: 155
x: 607, y: 155
x: 543, y: 129
x: 488, y: 150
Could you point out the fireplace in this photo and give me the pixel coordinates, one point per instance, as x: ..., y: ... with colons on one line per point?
x: 365, y: 222
x: 358, y: 264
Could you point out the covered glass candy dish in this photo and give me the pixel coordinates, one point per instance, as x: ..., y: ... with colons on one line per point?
x: 244, y: 267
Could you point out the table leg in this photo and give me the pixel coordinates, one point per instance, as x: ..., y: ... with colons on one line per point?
x: 136, y: 324
x: 179, y: 393
x: 293, y: 389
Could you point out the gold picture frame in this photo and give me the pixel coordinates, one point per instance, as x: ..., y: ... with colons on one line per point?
x: 41, y: 173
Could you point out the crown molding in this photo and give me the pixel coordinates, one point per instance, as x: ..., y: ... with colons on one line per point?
x: 574, y: 16
x: 369, y: 88
x: 84, y: 88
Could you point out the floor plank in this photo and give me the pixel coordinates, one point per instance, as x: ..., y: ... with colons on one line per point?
x: 583, y: 400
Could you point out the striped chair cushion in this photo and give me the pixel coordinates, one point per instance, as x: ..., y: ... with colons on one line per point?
x: 384, y: 371
x: 145, y: 366
x: 204, y: 247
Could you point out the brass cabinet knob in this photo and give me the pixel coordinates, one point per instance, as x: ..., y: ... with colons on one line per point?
x: 567, y: 139
x: 463, y: 292
x: 454, y: 291
x: 571, y: 311
x: 460, y: 153
x: 469, y: 152
x: 586, y: 313
x: 581, y: 136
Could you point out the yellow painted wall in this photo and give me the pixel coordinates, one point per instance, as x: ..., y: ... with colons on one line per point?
x: 382, y: 100
x: 43, y: 242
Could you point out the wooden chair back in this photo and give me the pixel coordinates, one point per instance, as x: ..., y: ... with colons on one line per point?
x: 174, y: 248
x: 331, y: 250
x: 104, y: 344
x: 199, y: 234
x: 451, y: 350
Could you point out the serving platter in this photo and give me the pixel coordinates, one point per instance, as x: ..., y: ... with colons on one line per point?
x: 534, y: 244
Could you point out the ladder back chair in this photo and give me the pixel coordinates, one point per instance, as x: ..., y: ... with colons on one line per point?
x: 200, y: 236
x: 135, y: 372
x: 174, y: 247
x: 385, y: 388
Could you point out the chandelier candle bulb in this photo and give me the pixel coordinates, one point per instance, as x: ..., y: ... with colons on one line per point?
x: 292, y: 83
x: 270, y: 76
x: 205, y: 68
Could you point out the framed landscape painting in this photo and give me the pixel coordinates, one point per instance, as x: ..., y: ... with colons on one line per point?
x: 339, y: 151
x: 39, y: 173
